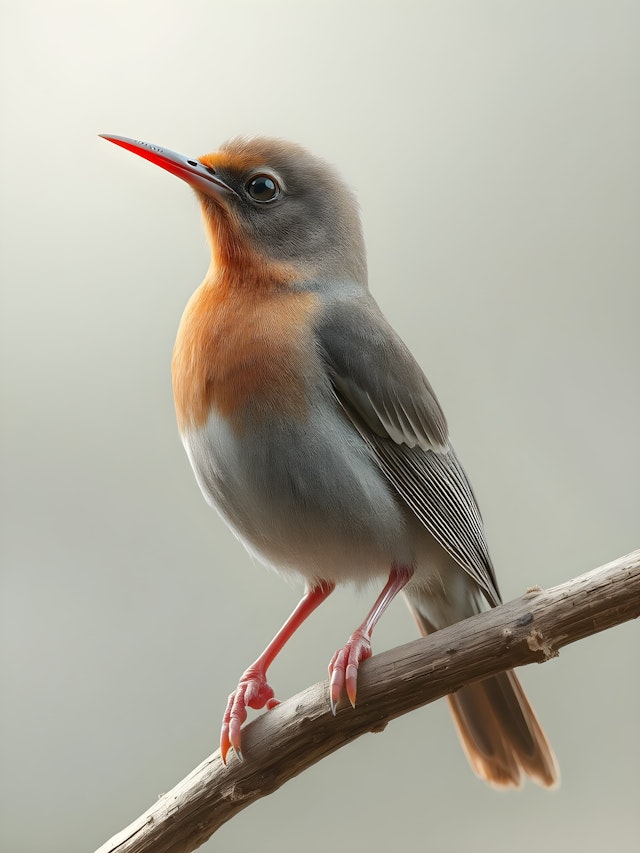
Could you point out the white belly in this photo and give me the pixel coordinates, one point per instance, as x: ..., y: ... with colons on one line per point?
x: 305, y: 498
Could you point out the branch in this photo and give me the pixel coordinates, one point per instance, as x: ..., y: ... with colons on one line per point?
x: 283, y: 742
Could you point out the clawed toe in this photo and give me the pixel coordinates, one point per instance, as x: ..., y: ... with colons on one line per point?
x: 343, y: 668
x: 252, y: 691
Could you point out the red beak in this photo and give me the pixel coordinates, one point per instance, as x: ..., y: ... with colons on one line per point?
x: 195, y: 173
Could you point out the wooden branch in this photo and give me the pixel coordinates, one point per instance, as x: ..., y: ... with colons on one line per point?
x: 301, y: 731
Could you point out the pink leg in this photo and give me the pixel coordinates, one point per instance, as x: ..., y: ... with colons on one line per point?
x: 252, y: 690
x: 343, y: 668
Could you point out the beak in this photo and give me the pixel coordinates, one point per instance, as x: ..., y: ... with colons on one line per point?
x: 195, y: 173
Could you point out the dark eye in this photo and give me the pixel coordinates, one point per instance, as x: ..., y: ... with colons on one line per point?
x: 263, y: 188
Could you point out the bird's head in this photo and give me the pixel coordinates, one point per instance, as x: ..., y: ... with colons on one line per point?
x: 271, y: 202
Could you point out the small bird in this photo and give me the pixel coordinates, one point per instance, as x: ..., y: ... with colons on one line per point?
x: 313, y: 431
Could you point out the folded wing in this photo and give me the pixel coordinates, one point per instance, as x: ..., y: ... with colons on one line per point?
x: 392, y: 405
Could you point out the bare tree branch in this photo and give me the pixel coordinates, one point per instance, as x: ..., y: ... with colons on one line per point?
x: 301, y: 731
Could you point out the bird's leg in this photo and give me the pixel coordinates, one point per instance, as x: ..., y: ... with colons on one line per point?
x: 253, y: 691
x: 343, y: 668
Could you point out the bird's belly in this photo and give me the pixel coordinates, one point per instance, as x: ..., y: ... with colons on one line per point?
x: 305, y: 497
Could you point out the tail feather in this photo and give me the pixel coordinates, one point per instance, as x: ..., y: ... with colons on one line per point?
x: 501, y: 735
x: 498, y: 729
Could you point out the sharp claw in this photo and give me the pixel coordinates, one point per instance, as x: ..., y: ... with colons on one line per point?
x: 225, y: 743
x: 351, y: 682
x: 239, y: 754
x: 335, y: 687
x: 235, y: 732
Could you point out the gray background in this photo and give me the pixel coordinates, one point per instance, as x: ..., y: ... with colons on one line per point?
x: 494, y: 149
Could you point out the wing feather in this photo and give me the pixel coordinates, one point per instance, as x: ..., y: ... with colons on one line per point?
x: 390, y: 402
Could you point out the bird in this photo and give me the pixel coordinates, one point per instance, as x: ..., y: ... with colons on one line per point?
x: 315, y: 434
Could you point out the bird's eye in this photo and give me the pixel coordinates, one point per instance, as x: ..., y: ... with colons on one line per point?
x: 263, y: 188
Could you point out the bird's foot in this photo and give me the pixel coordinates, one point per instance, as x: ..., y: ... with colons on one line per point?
x: 343, y: 669
x: 252, y: 692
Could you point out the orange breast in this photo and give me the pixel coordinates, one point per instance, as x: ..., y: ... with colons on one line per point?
x: 243, y: 348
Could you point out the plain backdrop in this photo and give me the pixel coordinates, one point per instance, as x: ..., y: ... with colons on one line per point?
x: 494, y: 147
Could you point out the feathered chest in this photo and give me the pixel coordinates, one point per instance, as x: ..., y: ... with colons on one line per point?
x: 243, y: 352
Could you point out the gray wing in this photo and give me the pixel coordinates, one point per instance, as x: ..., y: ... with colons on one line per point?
x: 390, y: 402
